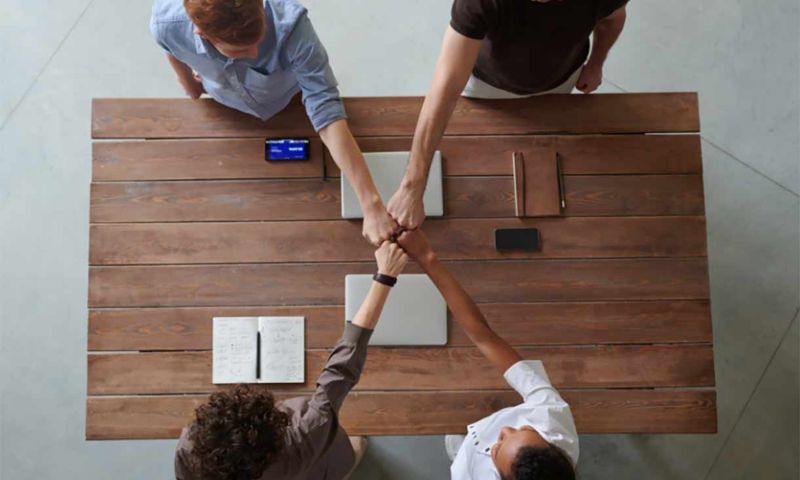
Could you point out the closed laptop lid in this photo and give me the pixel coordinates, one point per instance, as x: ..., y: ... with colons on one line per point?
x: 415, y: 312
x: 387, y: 170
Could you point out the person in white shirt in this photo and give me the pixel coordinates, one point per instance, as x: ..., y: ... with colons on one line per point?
x: 535, y: 440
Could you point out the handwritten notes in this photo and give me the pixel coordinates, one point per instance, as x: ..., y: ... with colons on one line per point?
x: 234, y: 350
x: 282, y: 349
x: 235, y: 353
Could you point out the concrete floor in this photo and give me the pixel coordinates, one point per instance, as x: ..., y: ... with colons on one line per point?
x: 741, y: 56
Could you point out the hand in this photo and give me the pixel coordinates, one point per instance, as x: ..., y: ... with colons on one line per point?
x: 378, y: 226
x: 193, y: 87
x: 590, y: 78
x: 391, y: 259
x: 415, y: 243
x: 406, y: 207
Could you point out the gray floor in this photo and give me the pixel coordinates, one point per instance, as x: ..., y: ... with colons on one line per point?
x: 741, y: 56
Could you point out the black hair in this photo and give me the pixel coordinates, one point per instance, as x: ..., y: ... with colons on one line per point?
x: 542, y: 463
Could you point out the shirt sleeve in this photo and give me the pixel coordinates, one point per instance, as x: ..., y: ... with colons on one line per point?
x: 182, y: 470
x: 473, y: 18
x: 159, y: 32
x: 530, y: 380
x: 309, y: 60
x: 609, y: 7
x: 343, y: 369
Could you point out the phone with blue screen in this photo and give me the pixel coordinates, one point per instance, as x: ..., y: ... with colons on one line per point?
x: 286, y: 149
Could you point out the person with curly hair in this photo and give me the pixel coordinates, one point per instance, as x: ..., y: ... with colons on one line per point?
x: 535, y: 440
x: 245, y: 434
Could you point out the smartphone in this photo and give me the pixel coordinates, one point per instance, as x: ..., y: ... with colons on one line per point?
x: 526, y: 239
x: 286, y: 149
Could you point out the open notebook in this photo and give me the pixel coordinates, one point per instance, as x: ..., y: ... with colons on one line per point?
x: 237, y: 357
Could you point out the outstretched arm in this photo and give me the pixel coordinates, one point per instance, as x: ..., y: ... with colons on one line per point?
x: 344, y: 365
x: 465, y: 312
x: 457, y: 57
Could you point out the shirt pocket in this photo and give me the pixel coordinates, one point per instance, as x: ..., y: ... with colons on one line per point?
x: 273, y: 85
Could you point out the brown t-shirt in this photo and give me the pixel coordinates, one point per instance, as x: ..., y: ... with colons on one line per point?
x: 317, y: 447
x: 529, y: 46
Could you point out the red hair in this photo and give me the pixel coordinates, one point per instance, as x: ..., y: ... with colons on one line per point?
x: 237, y: 22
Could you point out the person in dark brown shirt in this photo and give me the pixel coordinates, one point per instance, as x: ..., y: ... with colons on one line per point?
x: 506, y: 49
x: 244, y: 434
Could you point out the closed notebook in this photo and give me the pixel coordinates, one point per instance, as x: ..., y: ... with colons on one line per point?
x: 237, y: 357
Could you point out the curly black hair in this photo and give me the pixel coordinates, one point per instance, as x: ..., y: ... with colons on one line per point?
x: 237, y: 434
x: 537, y: 463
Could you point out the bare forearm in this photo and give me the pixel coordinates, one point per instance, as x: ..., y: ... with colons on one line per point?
x: 182, y: 70
x: 453, y: 68
x: 604, y: 36
x: 467, y: 315
x: 370, y: 310
x: 348, y: 157
x: 433, y: 118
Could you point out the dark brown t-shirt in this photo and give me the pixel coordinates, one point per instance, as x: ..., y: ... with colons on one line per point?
x: 529, y: 46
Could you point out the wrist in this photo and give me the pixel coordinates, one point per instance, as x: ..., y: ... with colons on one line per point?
x: 427, y: 259
x: 386, y: 279
x: 372, y: 204
x: 594, y: 64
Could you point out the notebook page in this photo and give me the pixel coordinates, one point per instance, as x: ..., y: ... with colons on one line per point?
x: 234, y: 349
x: 282, y: 349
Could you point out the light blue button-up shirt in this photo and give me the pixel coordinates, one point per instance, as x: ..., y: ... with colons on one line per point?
x: 291, y: 59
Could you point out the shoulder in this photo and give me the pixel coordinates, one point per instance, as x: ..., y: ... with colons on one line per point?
x: 169, y: 17
x: 285, y: 15
x: 608, y: 7
x: 183, y: 454
x: 478, y: 6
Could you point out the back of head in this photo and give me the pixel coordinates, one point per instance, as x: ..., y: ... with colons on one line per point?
x: 237, y: 434
x: 536, y: 463
x: 235, y: 22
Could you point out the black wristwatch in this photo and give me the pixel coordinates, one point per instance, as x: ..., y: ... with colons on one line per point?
x: 384, y: 279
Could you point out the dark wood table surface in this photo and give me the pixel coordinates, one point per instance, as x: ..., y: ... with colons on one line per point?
x: 188, y: 222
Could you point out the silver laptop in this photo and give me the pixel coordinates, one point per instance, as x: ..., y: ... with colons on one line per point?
x: 387, y: 170
x: 415, y: 312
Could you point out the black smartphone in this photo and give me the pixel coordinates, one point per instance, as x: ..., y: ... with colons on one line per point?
x: 517, y: 239
x: 286, y: 149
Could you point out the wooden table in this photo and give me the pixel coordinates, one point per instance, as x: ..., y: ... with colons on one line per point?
x: 189, y: 222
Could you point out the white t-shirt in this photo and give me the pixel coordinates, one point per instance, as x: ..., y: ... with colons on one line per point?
x: 542, y: 408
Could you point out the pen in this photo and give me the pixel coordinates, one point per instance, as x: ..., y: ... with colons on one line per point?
x: 258, y: 355
x: 561, y: 192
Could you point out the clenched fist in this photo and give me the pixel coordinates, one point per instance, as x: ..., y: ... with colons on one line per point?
x: 391, y: 259
x: 415, y: 243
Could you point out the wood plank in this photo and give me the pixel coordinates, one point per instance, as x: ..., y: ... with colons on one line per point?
x: 464, y: 197
x: 331, y: 241
x: 634, y: 195
x: 435, y: 368
x: 397, y: 116
x: 217, y: 200
x: 242, y: 158
x: 323, y: 284
x: 593, y: 323
x: 581, y: 154
x: 190, y: 328
x: 428, y: 413
x: 197, y: 159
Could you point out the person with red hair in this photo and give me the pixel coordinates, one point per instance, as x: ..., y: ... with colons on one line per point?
x: 256, y: 56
